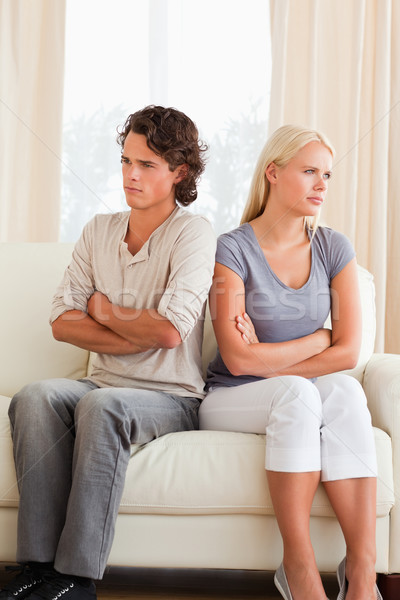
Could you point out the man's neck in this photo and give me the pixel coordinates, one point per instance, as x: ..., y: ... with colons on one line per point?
x: 142, y: 224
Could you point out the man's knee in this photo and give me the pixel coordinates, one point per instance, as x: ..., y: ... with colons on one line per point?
x: 29, y: 399
x: 34, y: 401
x: 99, y: 405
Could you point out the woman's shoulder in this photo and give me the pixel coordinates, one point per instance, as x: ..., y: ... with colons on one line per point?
x: 236, y: 238
x: 335, y: 249
x: 328, y: 236
x: 235, y: 249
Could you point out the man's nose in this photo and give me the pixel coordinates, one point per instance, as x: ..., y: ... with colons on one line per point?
x: 133, y: 172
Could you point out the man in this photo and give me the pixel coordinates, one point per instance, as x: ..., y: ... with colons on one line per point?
x: 134, y: 294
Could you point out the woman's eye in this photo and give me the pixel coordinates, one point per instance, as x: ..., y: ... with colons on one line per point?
x: 310, y: 171
x: 327, y: 175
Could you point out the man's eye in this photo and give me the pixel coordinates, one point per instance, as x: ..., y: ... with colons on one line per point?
x: 147, y: 165
x: 124, y: 160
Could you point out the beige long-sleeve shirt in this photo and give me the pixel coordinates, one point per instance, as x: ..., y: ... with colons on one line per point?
x: 171, y: 273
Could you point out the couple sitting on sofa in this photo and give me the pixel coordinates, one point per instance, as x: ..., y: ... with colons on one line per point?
x: 134, y: 294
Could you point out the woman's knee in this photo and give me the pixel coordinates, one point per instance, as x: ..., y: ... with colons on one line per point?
x: 343, y: 388
x: 300, y: 398
x: 293, y: 432
x: 344, y: 395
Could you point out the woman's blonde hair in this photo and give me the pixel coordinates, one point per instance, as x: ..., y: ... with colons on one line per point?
x: 280, y: 148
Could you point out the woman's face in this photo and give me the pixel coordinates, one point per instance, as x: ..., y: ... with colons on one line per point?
x: 302, y: 184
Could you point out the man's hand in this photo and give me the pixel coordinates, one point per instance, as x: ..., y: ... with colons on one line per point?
x: 80, y: 329
x: 145, y: 329
x: 97, y: 307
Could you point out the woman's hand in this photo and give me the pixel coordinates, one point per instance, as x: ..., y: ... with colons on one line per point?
x: 324, y: 338
x: 242, y: 351
x: 246, y: 328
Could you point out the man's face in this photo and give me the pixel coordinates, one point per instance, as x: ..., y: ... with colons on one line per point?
x: 148, y: 182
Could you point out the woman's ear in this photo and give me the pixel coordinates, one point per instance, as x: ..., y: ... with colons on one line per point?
x: 271, y: 172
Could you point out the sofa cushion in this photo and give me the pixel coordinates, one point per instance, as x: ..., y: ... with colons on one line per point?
x: 199, y: 472
x: 8, y: 483
x: 210, y: 472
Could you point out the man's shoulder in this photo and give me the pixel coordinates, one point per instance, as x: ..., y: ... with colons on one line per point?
x: 105, y: 226
x: 183, y: 220
x: 105, y: 220
x: 182, y: 215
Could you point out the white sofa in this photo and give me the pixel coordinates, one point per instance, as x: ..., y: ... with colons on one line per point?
x: 194, y: 499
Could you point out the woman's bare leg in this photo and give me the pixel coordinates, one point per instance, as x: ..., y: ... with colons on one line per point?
x: 292, y: 495
x: 354, y: 502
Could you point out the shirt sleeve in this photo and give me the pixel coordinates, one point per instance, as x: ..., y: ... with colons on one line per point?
x: 230, y: 255
x: 191, y: 269
x: 77, y: 284
x: 340, y: 254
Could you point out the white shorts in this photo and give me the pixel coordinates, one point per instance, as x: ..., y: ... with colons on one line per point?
x: 323, y: 426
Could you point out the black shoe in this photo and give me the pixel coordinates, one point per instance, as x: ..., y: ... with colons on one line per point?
x: 66, y: 587
x: 27, y: 580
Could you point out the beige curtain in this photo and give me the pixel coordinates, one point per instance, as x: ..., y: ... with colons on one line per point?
x: 31, y: 92
x: 336, y: 67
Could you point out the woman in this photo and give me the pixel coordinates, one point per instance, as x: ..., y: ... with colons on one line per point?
x: 276, y: 279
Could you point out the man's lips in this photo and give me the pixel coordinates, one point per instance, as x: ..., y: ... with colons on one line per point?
x: 132, y: 189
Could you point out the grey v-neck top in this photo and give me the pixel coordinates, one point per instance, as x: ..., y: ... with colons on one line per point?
x: 279, y: 313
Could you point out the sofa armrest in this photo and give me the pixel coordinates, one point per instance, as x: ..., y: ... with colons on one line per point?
x: 382, y: 387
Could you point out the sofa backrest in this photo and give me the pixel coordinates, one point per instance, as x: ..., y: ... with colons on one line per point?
x: 368, y: 311
x: 29, y: 275
x: 367, y: 291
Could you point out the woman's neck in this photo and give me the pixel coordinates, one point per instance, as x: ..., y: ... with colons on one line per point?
x: 279, y: 230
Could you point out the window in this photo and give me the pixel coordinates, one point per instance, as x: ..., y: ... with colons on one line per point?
x: 209, y: 59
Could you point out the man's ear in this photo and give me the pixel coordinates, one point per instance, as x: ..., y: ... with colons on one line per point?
x: 182, y: 172
x: 271, y: 172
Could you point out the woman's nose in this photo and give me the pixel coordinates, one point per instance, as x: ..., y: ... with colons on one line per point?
x: 322, y: 184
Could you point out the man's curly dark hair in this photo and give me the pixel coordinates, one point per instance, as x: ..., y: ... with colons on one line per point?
x: 174, y: 137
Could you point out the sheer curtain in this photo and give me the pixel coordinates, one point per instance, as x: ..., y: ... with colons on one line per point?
x: 336, y: 67
x: 209, y: 59
x: 31, y: 86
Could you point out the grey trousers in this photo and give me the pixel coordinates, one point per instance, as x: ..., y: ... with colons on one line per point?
x: 71, y: 449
